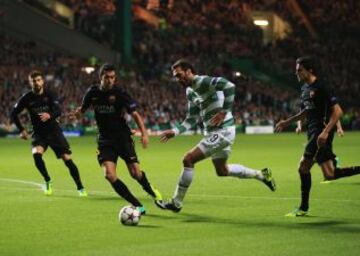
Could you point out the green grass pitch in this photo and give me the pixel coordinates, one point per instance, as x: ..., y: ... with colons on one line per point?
x: 221, y: 216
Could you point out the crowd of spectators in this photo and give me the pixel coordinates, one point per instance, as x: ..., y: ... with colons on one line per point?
x: 161, y: 101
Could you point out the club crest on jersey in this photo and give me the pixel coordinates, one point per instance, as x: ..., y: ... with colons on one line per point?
x: 312, y: 94
x: 112, y: 98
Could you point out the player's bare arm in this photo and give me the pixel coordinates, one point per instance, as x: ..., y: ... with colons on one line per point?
x: 339, y: 129
x: 334, y: 118
x: 218, y: 119
x: 298, y: 129
x: 140, y: 123
x: 281, y: 125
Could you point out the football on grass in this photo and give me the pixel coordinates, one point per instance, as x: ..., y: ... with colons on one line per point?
x: 129, y: 216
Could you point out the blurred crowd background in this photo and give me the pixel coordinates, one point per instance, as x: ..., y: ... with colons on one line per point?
x: 209, y: 33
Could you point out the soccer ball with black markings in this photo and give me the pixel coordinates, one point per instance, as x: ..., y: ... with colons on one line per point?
x: 129, y: 216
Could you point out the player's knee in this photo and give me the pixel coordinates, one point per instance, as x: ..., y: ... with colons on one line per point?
x: 304, y: 170
x: 135, y: 174
x: 110, y: 176
x: 66, y: 157
x: 304, y: 167
x: 188, y: 160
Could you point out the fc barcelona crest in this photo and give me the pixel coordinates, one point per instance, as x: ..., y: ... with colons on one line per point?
x: 112, y: 98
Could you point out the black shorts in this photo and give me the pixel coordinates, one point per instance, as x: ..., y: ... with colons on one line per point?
x: 320, y: 155
x: 56, y: 140
x: 110, y: 150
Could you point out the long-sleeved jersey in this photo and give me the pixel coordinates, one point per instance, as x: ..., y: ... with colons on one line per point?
x: 206, y: 97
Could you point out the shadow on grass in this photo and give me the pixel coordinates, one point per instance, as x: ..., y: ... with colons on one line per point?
x: 305, y: 223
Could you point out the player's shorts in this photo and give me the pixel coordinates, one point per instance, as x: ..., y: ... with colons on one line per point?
x: 55, y: 140
x: 217, y: 144
x: 110, y: 150
x: 320, y: 155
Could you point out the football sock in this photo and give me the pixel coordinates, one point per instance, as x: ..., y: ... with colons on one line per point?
x: 346, y: 172
x: 125, y: 193
x: 40, y: 165
x: 183, y: 185
x: 74, y: 172
x: 305, y: 190
x: 243, y: 172
x: 146, y: 185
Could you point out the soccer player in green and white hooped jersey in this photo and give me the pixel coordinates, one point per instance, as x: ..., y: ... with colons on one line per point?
x: 210, y: 99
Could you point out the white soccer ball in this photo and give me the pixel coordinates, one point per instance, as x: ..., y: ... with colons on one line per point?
x: 129, y: 215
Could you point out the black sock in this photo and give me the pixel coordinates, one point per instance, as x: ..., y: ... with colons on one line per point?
x: 40, y: 165
x: 146, y: 185
x: 125, y: 193
x: 346, y: 172
x: 74, y: 173
x: 305, y: 190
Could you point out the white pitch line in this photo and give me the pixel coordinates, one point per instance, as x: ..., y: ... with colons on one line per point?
x: 98, y: 192
x: 22, y: 181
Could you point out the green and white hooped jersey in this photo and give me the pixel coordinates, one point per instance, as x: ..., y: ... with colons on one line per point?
x: 208, y: 96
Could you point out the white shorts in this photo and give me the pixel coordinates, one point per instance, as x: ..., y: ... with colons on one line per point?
x: 217, y: 144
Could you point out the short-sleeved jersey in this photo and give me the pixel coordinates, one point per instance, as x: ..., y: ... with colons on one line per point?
x: 206, y: 97
x: 36, y: 104
x: 317, y: 100
x: 110, y: 107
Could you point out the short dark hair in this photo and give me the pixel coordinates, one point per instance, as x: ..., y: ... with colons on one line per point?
x: 308, y: 62
x: 35, y: 73
x: 184, y: 65
x: 106, y: 68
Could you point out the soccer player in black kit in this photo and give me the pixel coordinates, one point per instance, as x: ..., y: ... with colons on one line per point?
x: 320, y: 108
x: 43, y: 107
x: 110, y: 104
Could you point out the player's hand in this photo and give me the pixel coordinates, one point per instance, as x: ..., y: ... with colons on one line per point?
x: 145, y: 141
x: 321, y: 141
x: 340, y: 132
x: 281, y: 125
x: 44, y: 116
x: 75, y: 114
x: 24, y: 135
x: 298, y: 130
x: 166, y: 135
x: 217, y: 119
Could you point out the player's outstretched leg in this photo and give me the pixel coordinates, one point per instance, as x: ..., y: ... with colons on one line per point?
x: 303, y: 209
x: 332, y: 173
x: 40, y: 165
x: 175, y: 204
x: 190, y: 159
x: 74, y: 172
x: 120, y: 188
x: 140, y: 176
x: 243, y: 172
x: 346, y: 172
x: 123, y: 191
x: 305, y: 178
x: 148, y: 188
